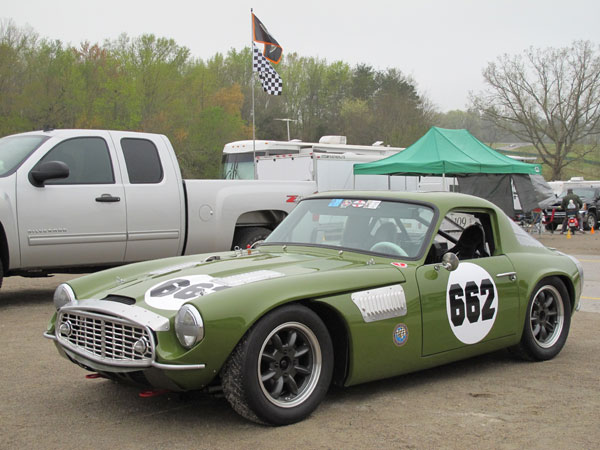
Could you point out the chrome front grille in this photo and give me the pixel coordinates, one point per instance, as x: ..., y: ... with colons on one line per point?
x: 106, y: 339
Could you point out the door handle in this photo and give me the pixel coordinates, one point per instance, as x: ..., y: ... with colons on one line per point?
x: 107, y: 198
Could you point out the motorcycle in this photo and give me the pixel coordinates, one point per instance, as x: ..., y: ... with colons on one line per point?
x: 572, y: 220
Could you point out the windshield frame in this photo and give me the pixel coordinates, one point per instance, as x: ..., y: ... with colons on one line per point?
x: 42, y: 139
x: 425, y: 243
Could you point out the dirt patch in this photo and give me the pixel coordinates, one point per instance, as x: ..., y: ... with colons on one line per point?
x: 577, y: 244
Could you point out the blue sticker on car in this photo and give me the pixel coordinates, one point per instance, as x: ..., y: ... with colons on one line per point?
x: 335, y: 202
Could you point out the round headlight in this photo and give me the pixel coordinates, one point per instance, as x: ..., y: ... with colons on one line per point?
x: 63, y: 295
x: 189, y: 326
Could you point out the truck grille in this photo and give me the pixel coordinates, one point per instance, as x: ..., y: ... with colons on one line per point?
x: 105, y: 338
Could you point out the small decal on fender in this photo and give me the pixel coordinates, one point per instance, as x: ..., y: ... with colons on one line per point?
x: 400, y: 335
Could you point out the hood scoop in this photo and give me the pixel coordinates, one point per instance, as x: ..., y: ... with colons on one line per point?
x: 119, y: 299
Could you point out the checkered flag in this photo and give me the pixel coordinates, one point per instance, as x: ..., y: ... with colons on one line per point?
x: 270, y: 80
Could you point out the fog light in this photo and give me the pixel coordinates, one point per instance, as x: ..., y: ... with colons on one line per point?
x: 141, y: 346
x: 65, y: 329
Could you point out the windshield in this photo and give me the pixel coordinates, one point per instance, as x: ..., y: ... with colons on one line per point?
x: 238, y: 166
x: 15, y: 149
x: 383, y: 227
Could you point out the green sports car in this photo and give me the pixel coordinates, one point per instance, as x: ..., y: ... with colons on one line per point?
x: 351, y: 287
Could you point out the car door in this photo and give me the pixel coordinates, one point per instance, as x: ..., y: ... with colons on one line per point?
x: 477, y: 302
x: 154, y: 192
x: 78, y: 220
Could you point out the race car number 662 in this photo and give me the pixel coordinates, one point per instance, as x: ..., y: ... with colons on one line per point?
x: 471, y: 303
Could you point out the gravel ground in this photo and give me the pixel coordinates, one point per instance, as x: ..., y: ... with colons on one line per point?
x: 493, y: 401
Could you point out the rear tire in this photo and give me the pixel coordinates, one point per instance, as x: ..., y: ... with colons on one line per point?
x: 280, y: 371
x: 249, y: 236
x: 547, y: 321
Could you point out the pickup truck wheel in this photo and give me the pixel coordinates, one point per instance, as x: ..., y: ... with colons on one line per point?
x: 591, y: 221
x: 547, y: 321
x: 281, y: 370
x: 1, y: 273
x: 248, y: 236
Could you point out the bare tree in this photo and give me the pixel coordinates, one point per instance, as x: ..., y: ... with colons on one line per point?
x: 549, y: 97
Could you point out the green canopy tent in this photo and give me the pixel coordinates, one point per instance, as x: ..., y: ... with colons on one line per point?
x: 480, y: 169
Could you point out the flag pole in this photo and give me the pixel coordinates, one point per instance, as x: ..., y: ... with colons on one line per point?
x: 252, y: 83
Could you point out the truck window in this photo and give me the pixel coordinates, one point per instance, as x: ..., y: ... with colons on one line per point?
x: 15, y: 149
x: 142, y: 160
x: 88, y: 159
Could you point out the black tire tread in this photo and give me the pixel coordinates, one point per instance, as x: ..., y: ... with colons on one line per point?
x: 232, y: 377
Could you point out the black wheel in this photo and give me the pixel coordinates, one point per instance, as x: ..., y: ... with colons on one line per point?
x: 551, y: 226
x: 591, y: 221
x: 281, y: 370
x: 248, y: 236
x: 547, y: 321
x: 1, y: 273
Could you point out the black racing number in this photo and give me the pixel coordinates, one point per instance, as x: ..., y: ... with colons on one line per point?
x: 465, y: 303
x: 196, y: 290
x: 472, y: 301
x: 487, y: 288
x: 457, y: 306
x: 168, y: 287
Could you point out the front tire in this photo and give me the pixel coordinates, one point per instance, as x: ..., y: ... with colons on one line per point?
x: 547, y: 321
x: 281, y: 370
x: 591, y: 221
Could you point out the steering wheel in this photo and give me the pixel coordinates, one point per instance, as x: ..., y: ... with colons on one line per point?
x: 389, y: 248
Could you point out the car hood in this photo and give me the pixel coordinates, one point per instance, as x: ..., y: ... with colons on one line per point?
x: 163, y: 286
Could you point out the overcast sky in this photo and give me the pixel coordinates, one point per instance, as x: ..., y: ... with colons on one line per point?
x: 442, y: 44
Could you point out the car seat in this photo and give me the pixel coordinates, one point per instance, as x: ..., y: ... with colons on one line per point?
x: 471, y: 243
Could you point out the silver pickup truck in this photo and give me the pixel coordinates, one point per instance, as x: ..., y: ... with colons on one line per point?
x: 75, y: 199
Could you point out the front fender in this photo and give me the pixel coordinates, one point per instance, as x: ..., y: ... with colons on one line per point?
x: 229, y: 314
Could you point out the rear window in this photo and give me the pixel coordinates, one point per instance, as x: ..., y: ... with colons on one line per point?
x: 142, y: 160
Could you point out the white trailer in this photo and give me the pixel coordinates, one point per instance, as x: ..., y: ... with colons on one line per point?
x: 329, y: 163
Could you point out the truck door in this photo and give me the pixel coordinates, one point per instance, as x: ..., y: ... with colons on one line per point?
x: 78, y: 220
x: 154, y: 193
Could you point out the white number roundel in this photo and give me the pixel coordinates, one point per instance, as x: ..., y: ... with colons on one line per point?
x: 471, y: 303
x: 173, y: 293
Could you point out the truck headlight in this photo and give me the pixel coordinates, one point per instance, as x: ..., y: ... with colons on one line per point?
x: 189, y: 327
x: 63, y: 295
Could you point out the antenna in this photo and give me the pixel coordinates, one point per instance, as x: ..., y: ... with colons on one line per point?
x: 288, y: 125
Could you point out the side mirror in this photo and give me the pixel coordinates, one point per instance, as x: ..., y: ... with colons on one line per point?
x: 50, y: 170
x: 449, y: 262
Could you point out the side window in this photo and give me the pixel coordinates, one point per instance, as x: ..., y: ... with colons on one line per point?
x: 88, y: 160
x: 469, y: 235
x: 143, y: 163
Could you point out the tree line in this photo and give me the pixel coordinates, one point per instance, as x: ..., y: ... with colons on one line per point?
x: 152, y: 84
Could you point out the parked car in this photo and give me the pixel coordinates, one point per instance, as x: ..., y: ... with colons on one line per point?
x: 351, y: 287
x: 590, y: 196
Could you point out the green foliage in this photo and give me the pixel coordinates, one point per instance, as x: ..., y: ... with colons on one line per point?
x: 152, y: 84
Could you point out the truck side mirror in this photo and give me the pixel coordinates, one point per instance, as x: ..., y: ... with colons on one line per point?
x: 50, y: 170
